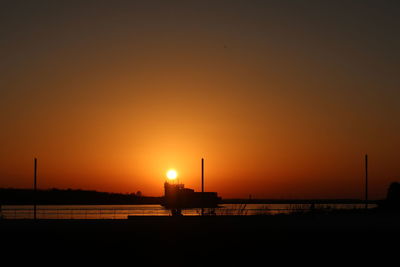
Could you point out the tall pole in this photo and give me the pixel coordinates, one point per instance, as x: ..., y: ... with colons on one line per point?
x: 202, y: 185
x: 366, y: 181
x: 202, y: 175
x: 34, y: 187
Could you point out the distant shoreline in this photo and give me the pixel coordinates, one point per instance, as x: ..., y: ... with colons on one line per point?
x: 11, y: 196
x: 297, y: 201
x: 224, y: 201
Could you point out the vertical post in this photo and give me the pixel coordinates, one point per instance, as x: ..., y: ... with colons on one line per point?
x: 34, y: 187
x: 202, y: 185
x: 202, y: 175
x: 366, y: 181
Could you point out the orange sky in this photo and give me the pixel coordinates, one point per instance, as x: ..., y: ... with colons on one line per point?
x: 282, y: 100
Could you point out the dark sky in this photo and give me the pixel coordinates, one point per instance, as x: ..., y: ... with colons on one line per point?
x: 282, y: 98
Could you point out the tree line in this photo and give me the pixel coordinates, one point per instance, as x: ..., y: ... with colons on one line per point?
x: 11, y: 196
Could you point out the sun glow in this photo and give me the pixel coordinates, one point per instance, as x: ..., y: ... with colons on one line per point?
x: 172, y: 174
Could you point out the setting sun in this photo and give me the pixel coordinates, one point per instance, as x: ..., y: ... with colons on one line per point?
x: 172, y: 174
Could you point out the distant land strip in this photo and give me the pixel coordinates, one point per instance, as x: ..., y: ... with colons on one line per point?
x: 12, y: 196
x: 296, y: 201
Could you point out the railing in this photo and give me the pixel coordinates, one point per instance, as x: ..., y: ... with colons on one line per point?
x: 81, y: 213
x: 124, y: 212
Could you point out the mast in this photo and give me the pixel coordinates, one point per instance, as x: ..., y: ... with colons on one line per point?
x: 34, y: 187
x: 366, y: 181
x: 202, y: 175
x: 202, y: 185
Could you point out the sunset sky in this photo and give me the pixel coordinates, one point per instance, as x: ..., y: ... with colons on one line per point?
x: 281, y: 98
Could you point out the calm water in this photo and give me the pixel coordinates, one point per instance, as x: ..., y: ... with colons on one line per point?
x: 123, y: 211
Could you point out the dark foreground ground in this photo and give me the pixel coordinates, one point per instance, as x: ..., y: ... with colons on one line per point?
x: 316, y: 240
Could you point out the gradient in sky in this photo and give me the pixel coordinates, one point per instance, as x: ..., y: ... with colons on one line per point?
x: 282, y: 98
